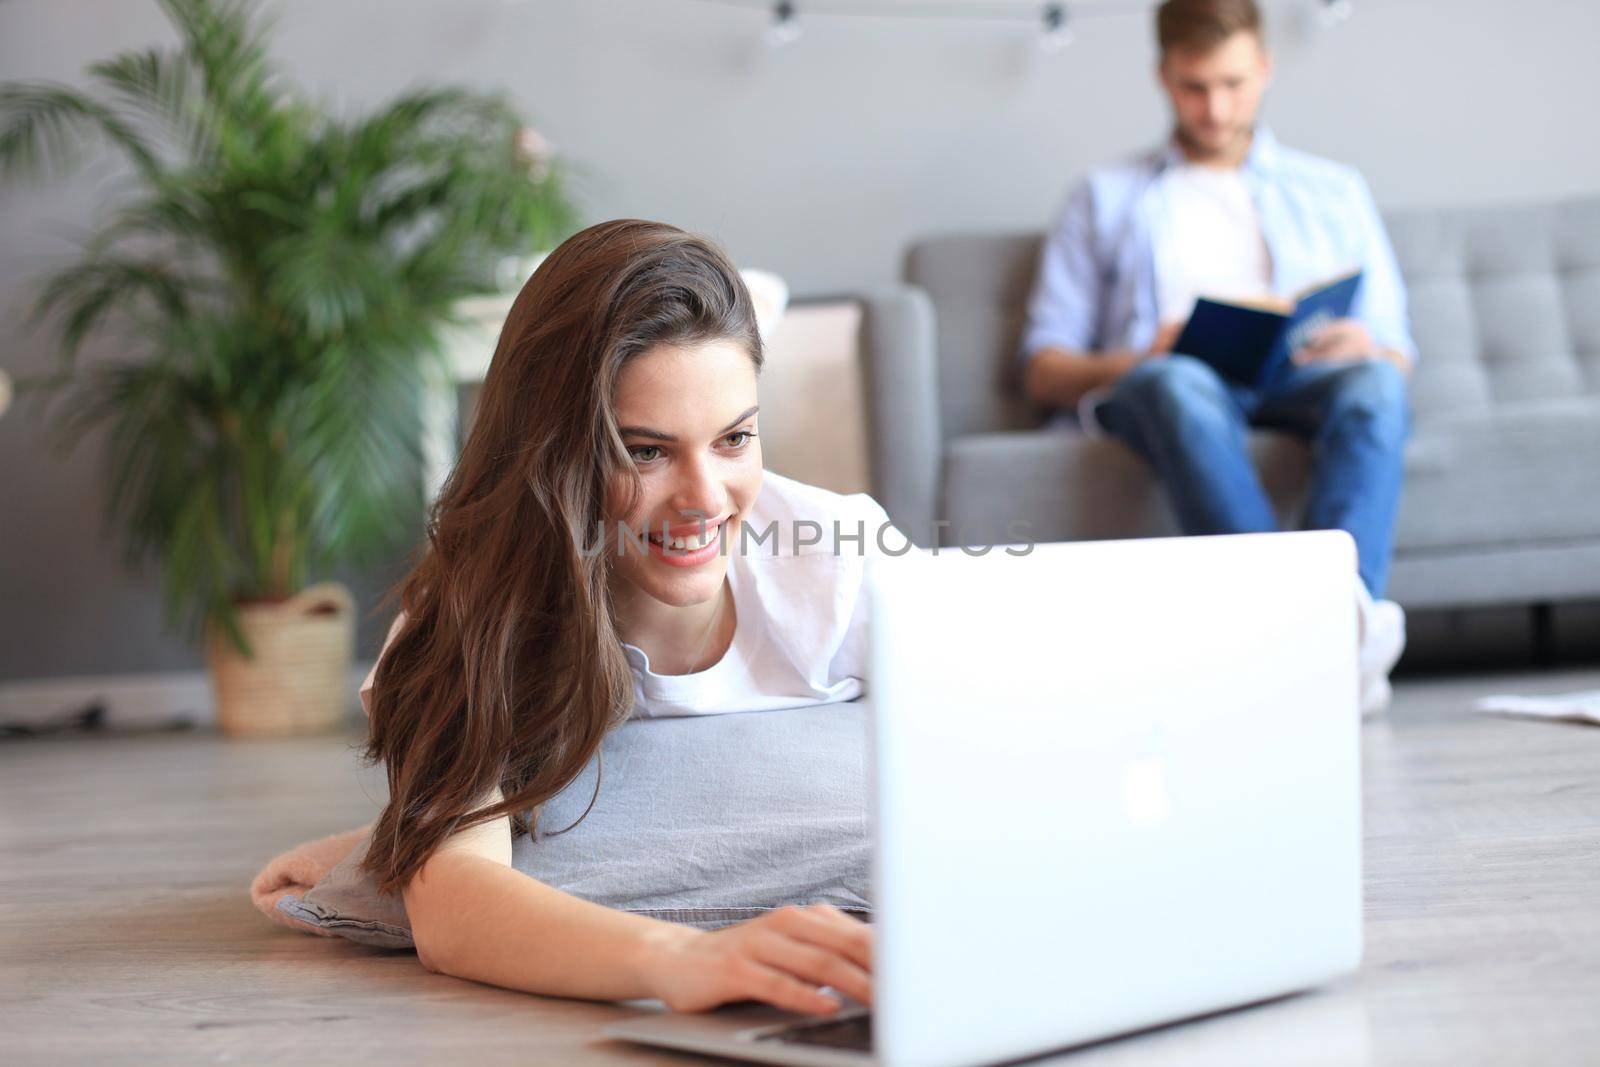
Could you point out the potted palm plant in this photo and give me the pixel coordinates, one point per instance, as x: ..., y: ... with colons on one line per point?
x: 275, y: 281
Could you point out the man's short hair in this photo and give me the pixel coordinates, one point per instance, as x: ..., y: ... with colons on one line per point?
x: 1204, y: 24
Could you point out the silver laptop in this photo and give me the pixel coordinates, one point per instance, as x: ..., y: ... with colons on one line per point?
x: 1116, y: 785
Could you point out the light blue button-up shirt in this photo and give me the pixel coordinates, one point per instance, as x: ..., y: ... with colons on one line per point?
x: 1097, y: 289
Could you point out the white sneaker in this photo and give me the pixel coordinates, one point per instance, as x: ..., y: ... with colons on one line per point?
x: 1376, y: 693
x: 1383, y: 639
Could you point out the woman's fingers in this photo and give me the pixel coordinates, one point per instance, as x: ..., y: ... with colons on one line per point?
x: 816, y: 965
x: 761, y: 981
x: 780, y: 958
x: 830, y: 928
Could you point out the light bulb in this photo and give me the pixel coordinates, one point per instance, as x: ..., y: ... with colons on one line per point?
x: 1057, y: 32
x: 1333, y: 12
x: 785, y: 26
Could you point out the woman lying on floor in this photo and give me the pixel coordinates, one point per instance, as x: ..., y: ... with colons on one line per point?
x: 588, y: 560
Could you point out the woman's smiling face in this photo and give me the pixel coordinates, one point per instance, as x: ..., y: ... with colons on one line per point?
x: 688, y: 420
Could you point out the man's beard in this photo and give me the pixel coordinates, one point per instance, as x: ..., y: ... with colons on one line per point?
x: 1202, y: 150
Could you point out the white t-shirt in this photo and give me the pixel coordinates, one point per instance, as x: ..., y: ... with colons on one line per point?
x: 1211, y: 242
x: 800, y: 634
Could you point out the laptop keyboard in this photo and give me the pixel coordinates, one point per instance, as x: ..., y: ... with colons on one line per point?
x: 853, y: 1032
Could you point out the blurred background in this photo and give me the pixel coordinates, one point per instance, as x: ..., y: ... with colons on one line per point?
x: 815, y: 155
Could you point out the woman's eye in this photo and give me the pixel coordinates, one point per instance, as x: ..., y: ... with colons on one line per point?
x: 739, y: 438
x: 645, y: 453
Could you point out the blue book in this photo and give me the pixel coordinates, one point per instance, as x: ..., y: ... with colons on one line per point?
x: 1251, y: 343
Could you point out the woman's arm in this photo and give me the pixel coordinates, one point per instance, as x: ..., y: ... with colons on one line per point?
x: 473, y: 916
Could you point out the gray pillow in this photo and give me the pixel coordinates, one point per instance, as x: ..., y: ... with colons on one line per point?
x: 704, y: 820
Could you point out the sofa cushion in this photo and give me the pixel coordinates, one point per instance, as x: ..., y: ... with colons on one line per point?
x: 1504, y: 303
x: 1068, y: 486
x: 979, y: 284
x: 1524, y: 473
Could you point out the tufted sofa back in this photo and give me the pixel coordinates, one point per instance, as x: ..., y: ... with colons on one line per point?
x: 1504, y: 307
x: 1504, y: 304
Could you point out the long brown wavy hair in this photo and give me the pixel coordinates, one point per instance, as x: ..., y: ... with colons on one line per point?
x: 508, y: 670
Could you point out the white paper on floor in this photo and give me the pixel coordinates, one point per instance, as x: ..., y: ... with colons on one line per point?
x: 1573, y: 707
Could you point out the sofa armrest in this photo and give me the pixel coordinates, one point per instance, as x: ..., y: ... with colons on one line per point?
x: 900, y: 386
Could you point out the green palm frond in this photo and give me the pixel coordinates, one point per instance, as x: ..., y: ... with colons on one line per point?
x: 45, y: 128
x: 171, y: 211
x: 84, y: 294
x: 160, y: 85
x: 361, y: 470
x: 277, y: 286
x: 225, y: 41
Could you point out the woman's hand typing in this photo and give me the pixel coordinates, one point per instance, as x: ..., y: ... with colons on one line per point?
x: 781, y: 958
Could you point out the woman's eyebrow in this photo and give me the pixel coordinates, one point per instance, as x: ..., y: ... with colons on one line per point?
x: 657, y: 435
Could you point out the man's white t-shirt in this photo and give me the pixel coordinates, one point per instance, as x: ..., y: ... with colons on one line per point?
x: 1210, y: 243
x: 800, y: 635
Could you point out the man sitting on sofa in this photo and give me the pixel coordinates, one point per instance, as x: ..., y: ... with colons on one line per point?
x: 1223, y: 210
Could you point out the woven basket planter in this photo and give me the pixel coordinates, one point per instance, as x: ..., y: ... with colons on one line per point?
x: 298, y: 681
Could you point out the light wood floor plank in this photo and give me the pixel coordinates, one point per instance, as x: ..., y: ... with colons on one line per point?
x: 126, y: 935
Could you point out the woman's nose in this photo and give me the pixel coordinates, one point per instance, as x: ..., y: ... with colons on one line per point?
x: 698, y: 492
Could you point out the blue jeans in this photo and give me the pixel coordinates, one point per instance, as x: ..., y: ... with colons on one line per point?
x: 1191, y: 426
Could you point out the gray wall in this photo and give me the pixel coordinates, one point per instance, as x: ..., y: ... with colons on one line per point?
x: 819, y: 161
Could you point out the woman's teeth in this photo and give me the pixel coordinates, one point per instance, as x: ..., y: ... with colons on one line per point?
x: 692, y: 543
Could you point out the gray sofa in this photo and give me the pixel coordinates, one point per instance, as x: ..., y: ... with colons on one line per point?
x: 1502, y: 497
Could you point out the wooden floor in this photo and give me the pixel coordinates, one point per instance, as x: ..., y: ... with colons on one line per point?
x: 126, y: 935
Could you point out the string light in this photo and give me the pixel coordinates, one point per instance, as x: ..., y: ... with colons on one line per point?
x: 1057, y: 33
x: 785, y: 28
x: 1333, y: 12
x: 1057, y: 24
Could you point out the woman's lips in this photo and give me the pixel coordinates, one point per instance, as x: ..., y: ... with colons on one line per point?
x: 692, y: 557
